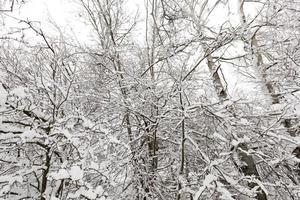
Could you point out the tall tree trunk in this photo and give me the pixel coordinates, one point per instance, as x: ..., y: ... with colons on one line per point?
x: 287, y: 122
x: 150, y: 126
x: 261, y: 67
x: 249, y: 169
x: 153, y: 139
x: 182, y: 148
x: 45, y: 174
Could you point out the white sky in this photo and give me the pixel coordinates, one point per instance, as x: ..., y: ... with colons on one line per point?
x: 63, y: 13
x: 66, y: 15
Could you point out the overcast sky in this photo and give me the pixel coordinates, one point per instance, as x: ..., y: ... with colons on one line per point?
x: 66, y: 15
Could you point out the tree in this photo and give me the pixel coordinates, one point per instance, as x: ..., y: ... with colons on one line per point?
x: 41, y: 156
x: 169, y: 113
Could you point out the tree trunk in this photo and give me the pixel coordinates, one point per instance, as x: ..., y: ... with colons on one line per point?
x: 249, y: 169
x: 45, y: 174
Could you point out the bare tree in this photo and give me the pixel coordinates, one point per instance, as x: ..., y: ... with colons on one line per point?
x: 148, y: 108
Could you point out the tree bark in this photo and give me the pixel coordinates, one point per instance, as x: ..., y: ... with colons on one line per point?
x: 45, y: 174
x: 249, y: 169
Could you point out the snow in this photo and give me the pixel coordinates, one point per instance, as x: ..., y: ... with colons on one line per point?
x: 99, y: 190
x: 235, y: 143
x: 225, y: 194
x: 87, y: 123
x: 76, y: 173
x: 66, y: 133
x: 94, y: 165
x: 4, y: 190
x: 114, y: 139
x: 61, y: 174
x: 28, y: 135
x: 19, y: 91
x: 64, y: 164
x: 85, y: 135
x: 89, y: 193
x: 7, y: 136
x: 297, y: 109
x: 3, y: 95
x: 206, y: 183
x: 219, y: 136
x: 259, y: 183
x: 11, y: 179
x: 244, y: 121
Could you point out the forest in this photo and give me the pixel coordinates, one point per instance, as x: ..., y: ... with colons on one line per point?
x: 151, y: 100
